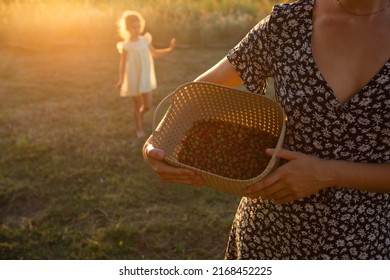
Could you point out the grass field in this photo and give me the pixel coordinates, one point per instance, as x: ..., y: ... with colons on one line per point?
x: 73, y: 184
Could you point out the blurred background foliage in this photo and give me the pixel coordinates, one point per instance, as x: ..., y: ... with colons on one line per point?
x: 43, y: 23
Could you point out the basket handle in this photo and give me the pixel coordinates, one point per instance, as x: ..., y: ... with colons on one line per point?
x: 279, y: 144
x: 158, y: 108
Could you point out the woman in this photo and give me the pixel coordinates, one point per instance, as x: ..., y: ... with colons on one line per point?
x: 330, y: 60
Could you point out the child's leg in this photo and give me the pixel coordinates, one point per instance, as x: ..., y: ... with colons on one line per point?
x: 146, y: 102
x: 137, y: 103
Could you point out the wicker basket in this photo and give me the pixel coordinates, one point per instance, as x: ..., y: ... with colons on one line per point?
x: 199, y: 101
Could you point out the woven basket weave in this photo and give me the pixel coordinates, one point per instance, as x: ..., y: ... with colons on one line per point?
x: 200, y: 101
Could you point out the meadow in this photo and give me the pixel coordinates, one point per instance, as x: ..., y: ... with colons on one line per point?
x: 73, y: 183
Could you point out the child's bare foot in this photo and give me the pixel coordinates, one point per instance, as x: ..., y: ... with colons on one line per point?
x: 140, y: 134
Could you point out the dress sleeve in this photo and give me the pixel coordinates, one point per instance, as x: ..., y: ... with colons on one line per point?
x: 119, y: 47
x: 148, y: 37
x: 252, y: 57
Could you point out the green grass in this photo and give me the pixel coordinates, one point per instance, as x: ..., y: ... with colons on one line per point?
x: 73, y: 183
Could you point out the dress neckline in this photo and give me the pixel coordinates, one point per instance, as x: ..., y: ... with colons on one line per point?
x: 358, y: 93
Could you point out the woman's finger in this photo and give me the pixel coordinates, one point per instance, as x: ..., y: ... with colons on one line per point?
x: 154, y: 153
x: 169, y: 173
x: 264, y: 186
x: 284, y: 154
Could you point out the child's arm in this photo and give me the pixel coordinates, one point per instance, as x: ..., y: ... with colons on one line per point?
x: 122, y: 69
x: 161, y: 52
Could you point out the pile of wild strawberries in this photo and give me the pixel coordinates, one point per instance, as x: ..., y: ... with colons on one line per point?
x: 230, y: 150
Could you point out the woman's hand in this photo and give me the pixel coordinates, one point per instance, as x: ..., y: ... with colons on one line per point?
x: 166, y: 172
x: 300, y: 177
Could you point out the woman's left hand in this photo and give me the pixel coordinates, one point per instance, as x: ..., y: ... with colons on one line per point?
x: 300, y: 177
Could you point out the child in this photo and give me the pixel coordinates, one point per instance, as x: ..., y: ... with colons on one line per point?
x: 137, y: 76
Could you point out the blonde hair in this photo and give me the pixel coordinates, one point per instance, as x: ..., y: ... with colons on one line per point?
x: 127, y: 18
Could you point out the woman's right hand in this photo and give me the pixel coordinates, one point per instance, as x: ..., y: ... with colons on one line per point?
x: 166, y: 172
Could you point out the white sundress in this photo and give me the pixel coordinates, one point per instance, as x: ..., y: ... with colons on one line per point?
x: 140, y: 75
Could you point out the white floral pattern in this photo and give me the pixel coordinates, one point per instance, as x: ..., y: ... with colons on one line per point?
x: 336, y: 223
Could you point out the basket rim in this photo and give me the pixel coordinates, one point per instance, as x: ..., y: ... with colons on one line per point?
x: 196, y: 83
x: 169, y: 159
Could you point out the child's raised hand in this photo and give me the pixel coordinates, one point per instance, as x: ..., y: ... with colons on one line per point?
x: 172, y: 44
x: 119, y: 85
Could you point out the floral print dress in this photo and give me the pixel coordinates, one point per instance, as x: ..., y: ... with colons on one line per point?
x: 336, y: 223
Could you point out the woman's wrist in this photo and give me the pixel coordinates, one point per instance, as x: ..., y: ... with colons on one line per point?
x: 372, y: 177
x: 330, y: 173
